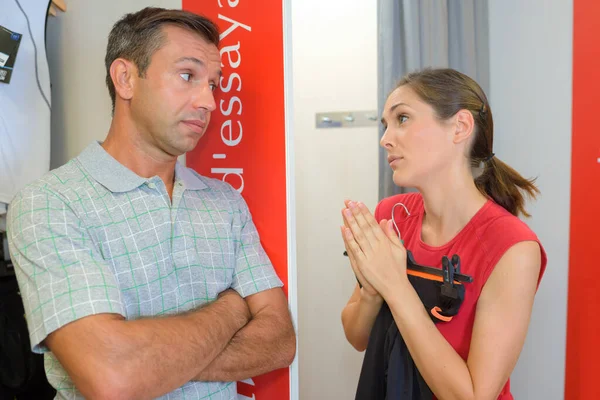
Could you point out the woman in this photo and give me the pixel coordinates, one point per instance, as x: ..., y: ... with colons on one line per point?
x: 439, y: 138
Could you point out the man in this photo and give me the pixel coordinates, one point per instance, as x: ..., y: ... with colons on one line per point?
x: 140, y: 278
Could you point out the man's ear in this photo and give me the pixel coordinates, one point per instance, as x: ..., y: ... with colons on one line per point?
x: 464, y: 126
x: 123, y: 73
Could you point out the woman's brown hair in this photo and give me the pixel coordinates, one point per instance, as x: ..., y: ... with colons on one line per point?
x: 449, y: 91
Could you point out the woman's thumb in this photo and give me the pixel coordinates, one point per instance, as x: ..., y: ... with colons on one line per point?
x: 388, y: 227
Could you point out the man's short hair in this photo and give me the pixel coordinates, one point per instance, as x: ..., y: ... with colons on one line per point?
x: 136, y: 36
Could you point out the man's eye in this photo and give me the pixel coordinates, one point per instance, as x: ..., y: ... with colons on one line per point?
x: 186, y: 77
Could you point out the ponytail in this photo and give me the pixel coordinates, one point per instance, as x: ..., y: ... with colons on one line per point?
x: 506, y: 187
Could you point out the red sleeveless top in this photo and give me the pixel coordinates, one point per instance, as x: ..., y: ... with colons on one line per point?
x: 480, y: 245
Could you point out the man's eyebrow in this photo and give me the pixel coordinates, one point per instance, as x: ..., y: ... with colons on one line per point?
x: 195, y: 61
x: 192, y: 59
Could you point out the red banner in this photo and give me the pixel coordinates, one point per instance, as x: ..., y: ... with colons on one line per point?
x: 584, y: 288
x: 245, y: 142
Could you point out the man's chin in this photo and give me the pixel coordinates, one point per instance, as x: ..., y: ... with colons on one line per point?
x: 186, y: 145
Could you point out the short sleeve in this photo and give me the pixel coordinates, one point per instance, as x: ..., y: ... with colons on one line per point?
x: 61, y: 274
x: 253, y: 270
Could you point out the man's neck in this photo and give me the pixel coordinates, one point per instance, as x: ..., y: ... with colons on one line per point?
x: 137, y: 155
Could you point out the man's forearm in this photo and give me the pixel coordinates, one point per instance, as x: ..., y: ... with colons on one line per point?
x: 267, y: 343
x: 181, y: 346
x: 148, y: 358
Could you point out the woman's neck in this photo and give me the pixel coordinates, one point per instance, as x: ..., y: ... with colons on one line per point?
x: 449, y: 206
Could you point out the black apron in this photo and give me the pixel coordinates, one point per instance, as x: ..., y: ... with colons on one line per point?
x: 388, y: 370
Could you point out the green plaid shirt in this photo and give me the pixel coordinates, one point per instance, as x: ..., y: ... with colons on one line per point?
x: 93, y: 237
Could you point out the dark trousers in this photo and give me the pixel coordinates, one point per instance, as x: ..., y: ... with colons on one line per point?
x: 22, y: 374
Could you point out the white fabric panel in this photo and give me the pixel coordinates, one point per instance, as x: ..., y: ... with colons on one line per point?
x: 25, y: 101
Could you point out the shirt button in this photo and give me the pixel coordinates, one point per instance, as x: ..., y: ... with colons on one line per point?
x: 151, y: 185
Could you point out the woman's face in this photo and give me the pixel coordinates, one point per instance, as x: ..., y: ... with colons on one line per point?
x: 420, y: 147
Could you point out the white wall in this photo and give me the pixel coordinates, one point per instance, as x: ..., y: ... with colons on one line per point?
x: 76, y: 46
x: 334, y: 69
x: 530, y: 62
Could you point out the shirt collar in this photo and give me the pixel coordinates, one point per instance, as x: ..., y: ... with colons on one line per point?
x: 113, y: 175
x: 191, y: 180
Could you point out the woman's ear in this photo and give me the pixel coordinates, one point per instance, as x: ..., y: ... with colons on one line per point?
x: 465, y: 124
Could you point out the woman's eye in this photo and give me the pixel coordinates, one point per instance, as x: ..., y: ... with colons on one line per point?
x: 402, y: 118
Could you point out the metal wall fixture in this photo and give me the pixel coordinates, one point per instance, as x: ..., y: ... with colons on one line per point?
x: 346, y: 119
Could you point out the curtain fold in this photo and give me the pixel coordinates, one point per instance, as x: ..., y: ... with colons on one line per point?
x: 414, y: 34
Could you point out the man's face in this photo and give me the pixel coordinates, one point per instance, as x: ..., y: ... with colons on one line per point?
x: 171, y: 105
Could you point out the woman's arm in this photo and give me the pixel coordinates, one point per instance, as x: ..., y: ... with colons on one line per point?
x: 362, y: 308
x: 359, y: 315
x: 501, y: 321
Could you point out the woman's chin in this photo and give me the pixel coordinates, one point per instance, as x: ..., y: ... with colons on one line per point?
x: 401, y: 180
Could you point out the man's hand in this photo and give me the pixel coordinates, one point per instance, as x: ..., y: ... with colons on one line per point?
x: 238, y: 306
x: 266, y: 343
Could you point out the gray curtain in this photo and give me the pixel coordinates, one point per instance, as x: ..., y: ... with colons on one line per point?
x: 414, y: 34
